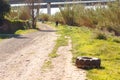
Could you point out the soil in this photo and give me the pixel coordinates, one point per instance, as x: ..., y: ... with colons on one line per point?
x: 22, y: 58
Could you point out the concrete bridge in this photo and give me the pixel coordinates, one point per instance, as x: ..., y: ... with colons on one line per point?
x: 56, y: 3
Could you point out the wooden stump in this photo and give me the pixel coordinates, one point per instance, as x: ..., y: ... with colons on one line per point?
x: 88, y: 62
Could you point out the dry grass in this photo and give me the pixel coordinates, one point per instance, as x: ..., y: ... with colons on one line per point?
x: 101, y: 17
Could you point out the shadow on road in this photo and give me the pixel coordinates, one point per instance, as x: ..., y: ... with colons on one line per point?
x: 48, y: 30
x: 5, y: 36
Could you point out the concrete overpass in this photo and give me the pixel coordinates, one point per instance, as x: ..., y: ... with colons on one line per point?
x: 55, y: 3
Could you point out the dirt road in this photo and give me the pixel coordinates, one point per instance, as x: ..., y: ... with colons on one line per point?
x: 22, y: 57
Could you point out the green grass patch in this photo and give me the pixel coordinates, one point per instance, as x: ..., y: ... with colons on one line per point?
x: 25, y: 31
x: 47, y: 65
x: 61, y: 41
x: 84, y: 44
x: 0, y: 39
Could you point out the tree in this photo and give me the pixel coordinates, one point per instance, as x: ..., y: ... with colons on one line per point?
x: 34, y: 6
x: 4, y: 8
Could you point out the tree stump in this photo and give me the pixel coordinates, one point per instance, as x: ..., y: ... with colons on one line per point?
x: 88, y: 62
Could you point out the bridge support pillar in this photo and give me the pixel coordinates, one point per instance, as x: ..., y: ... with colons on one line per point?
x: 49, y: 8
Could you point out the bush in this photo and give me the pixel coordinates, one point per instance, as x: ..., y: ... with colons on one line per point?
x: 58, y: 17
x: 4, y: 9
x: 19, y: 14
x: 24, y: 14
x: 100, y: 17
x: 13, y: 15
x: 116, y: 39
x: 13, y: 25
x: 44, y: 17
x: 102, y: 35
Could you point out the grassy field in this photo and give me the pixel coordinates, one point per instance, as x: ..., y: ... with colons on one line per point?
x: 86, y: 44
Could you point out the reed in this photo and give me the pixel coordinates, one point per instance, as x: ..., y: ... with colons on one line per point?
x: 107, y: 17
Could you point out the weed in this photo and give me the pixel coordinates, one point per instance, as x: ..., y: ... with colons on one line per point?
x: 47, y: 64
x: 25, y: 31
x: 84, y: 45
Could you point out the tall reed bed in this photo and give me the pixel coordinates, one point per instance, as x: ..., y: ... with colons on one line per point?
x: 107, y: 17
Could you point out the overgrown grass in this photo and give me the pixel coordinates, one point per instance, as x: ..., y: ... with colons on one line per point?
x: 108, y: 50
x: 101, y: 17
x: 25, y: 31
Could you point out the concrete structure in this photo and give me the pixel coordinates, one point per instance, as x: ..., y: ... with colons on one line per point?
x: 55, y: 3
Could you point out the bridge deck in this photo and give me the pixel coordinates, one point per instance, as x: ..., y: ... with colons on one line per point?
x: 62, y: 1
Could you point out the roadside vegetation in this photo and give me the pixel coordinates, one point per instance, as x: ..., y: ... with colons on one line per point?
x: 94, y: 33
x: 16, y: 22
x: 20, y: 32
x: 47, y: 65
x: 86, y: 42
x: 101, y: 17
x: 61, y: 41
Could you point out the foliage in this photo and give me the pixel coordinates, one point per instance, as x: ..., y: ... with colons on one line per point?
x: 101, y: 17
x: 47, y: 65
x: 11, y: 26
x: 58, y: 17
x: 85, y: 45
x: 34, y: 14
x: 12, y: 15
x: 98, y: 34
x: 4, y: 8
x: 44, y: 17
x: 25, y: 31
x: 24, y: 14
x: 61, y: 41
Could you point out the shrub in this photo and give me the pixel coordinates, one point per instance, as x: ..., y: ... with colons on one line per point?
x: 4, y: 9
x: 100, y: 17
x: 116, y: 39
x: 24, y: 14
x: 11, y: 26
x: 44, y: 17
x: 13, y: 15
x: 102, y: 35
x: 58, y: 17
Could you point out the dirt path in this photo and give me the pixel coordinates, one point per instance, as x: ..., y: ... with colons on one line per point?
x: 62, y: 67
x: 25, y: 56
x: 21, y: 58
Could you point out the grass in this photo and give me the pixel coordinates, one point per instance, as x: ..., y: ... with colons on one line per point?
x: 108, y: 50
x: 25, y: 31
x: 0, y: 39
x: 99, y: 17
x: 61, y: 41
x: 47, y: 64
